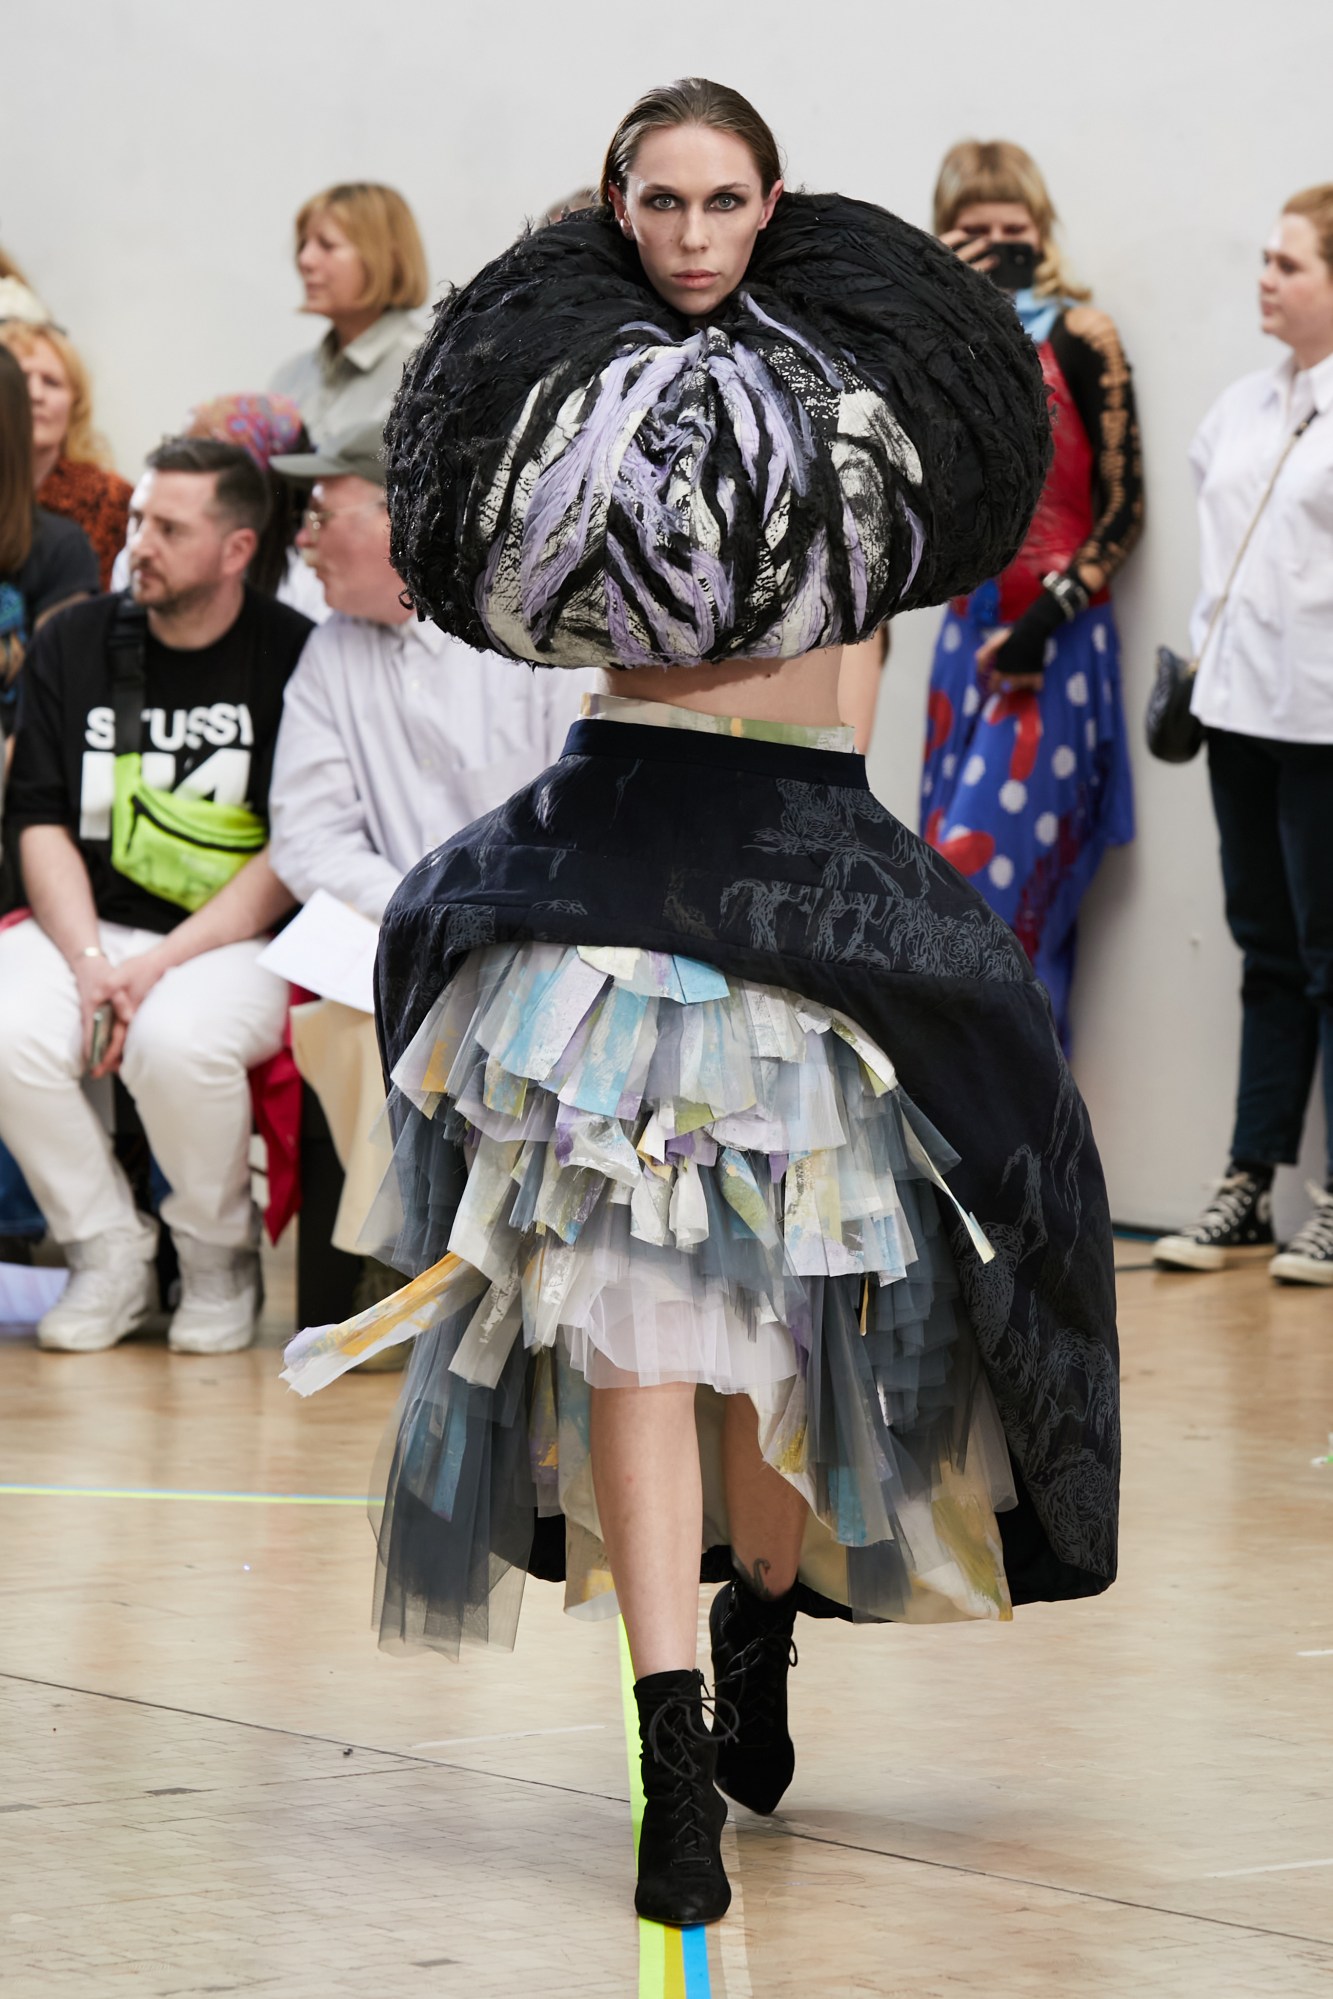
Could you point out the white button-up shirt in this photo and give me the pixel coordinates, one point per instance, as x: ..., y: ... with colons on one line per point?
x: 1268, y: 670
x: 335, y: 387
x: 392, y: 738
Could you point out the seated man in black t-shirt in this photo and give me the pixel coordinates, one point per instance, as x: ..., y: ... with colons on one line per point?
x: 112, y: 975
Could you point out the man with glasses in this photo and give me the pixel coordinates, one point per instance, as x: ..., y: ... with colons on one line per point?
x: 393, y: 737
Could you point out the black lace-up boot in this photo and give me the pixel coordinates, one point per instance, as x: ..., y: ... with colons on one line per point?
x: 681, y: 1879
x: 752, y: 1649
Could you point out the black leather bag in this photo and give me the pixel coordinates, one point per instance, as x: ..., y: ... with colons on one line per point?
x: 1174, y: 733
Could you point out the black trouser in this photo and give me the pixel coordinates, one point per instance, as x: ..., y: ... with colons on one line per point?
x: 1274, y: 806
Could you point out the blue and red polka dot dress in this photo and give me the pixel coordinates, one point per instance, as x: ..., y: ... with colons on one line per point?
x: 1024, y: 792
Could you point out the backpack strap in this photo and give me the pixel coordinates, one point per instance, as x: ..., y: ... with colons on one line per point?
x: 127, y: 643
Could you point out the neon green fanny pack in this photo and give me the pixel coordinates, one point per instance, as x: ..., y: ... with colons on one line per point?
x: 174, y: 844
x: 177, y: 846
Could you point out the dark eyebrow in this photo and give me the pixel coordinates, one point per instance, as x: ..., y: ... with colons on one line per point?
x: 729, y: 187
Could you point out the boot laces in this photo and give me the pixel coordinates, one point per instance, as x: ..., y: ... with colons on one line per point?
x: 1315, y: 1237
x: 674, y: 1732
x: 673, y: 1738
x: 756, y: 1674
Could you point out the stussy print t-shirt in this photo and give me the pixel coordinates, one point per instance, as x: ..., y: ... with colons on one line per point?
x: 210, y: 722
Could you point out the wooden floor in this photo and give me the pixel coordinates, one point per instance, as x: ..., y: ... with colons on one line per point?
x: 210, y: 1782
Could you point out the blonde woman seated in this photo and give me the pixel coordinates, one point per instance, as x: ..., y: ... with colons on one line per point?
x: 71, y: 463
x: 363, y: 267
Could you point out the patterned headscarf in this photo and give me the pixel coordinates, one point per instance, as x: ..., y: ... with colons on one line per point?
x: 265, y: 426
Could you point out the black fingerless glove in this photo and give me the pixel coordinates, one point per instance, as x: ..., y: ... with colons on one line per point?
x: 1024, y: 651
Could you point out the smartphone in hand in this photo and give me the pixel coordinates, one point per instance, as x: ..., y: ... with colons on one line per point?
x: 103, y: 1020
x: 1011, y: 266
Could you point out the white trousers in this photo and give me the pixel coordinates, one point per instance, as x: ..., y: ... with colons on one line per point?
x: 201, y: 1027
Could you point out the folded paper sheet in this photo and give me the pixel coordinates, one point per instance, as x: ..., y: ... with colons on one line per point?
x: 329, y: 949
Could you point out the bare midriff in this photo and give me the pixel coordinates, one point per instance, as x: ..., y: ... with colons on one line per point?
x: 804, y: 690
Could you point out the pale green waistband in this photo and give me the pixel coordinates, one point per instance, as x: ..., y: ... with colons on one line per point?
x: 665, y: 715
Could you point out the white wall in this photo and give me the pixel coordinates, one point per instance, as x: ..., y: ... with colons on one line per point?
x: 152, y: 155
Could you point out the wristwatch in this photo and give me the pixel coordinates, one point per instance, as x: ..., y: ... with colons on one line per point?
x: 1067, y: 592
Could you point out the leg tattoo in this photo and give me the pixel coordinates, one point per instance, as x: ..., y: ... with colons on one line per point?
x: 756, y: 1578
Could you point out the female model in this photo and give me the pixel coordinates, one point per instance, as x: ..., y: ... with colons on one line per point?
x: 1026, y: 779
x: 1265, y: 697
x: 696, y: 1296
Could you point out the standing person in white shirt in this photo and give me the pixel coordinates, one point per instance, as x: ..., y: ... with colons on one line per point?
x: 1264, y: 693
x: 393, y: 737
x: 363, y: 268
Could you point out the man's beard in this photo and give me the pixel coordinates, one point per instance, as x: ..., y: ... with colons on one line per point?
x: 176, y: 603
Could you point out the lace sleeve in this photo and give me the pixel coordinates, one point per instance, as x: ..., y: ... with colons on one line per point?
x: 1088, y: 349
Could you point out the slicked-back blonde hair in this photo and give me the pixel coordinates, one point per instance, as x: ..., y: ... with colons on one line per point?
x: 83, y: 444
x: 383, y: 231
x: 1316, y: 205
x: 978, y: 170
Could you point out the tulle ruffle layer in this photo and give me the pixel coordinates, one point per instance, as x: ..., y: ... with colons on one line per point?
x: 624, y: 1167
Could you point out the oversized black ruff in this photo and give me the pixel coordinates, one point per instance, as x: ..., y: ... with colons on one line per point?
x: 579, y: 475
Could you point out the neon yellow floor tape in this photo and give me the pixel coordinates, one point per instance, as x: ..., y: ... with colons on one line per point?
x: 164, y: 1492
x: 673, y: 1964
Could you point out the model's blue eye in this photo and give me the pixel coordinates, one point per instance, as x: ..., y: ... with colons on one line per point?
x: 726, y: 202
x: 661, y: 202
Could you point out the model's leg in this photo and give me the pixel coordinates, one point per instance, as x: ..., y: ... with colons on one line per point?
x: 645, y: 1470
x: 767, y: 1513
x: 752, y: 1618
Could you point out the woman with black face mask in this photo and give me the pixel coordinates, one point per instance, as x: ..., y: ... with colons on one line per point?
x: 1026, y: 779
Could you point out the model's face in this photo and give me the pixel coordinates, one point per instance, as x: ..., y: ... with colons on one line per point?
x: 345, y: 539
x: 1296, y: 287
x: 693, y: 205
x: 52, y: 395
x: 181, y: 548
x: 332, y: 272
x: 999, y: 222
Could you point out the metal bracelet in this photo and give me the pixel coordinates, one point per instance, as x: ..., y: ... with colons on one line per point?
x: 1068, y: 593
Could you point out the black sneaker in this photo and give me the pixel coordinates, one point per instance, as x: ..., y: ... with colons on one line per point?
x: 681, y: 1877
x: 752, y: 1650
x: 1236, y: 1226
x: 1308, y: 1257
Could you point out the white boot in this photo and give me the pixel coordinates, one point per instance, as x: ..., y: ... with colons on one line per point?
x: 112, y: 1289
x: 219, y: 1297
